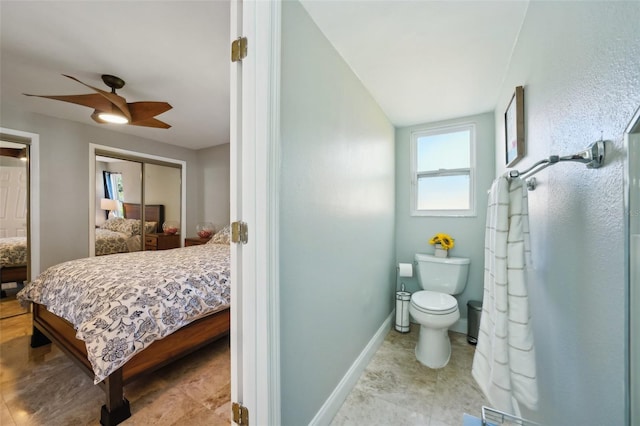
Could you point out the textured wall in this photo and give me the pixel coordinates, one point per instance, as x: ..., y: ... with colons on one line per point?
x: 337, y: 217
x: 580, y: 65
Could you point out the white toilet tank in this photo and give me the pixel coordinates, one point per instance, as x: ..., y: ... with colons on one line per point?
x: 442, y: 274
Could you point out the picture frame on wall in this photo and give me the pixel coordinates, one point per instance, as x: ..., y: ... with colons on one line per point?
x: 514, y: 128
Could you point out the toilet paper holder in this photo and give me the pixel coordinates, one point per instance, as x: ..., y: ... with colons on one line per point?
x: 403, y: 298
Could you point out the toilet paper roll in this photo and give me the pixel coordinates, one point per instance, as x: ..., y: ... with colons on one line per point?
x: 405, y: 269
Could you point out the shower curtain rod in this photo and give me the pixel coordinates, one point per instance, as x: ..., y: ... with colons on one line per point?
x: 593, y: 157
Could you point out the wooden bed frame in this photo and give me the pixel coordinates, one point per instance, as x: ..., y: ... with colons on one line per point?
x: 152, y: 213
x: 9, y: 274
x: 48, y: 327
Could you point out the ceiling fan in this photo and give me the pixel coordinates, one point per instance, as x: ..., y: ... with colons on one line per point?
x: 110, y: 107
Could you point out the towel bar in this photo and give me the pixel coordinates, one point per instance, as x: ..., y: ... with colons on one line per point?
x: 593, y: 157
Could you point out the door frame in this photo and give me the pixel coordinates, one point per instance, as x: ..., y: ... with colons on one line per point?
x: 33, y: 140
x: 255, y: 131
x: 633, y: 289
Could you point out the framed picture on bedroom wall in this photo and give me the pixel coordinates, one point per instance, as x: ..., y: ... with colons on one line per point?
x: 514, y: 128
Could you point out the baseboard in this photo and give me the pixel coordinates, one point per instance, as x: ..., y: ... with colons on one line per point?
x: 331, y: 406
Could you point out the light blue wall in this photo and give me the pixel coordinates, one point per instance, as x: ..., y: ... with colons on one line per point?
x: 337, y: 208
x: 580, y: 65
x: 413, y: 232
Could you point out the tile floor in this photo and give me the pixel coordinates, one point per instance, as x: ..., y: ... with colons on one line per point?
x: 43, y: 387
x: 395, y: 389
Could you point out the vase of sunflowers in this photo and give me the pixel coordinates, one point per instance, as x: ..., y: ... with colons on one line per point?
x: 442, y: 243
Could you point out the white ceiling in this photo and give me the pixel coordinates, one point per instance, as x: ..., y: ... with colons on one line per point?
x: 423, y: 61
x: 173, y: 51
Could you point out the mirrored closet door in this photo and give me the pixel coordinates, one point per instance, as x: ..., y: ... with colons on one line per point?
x: 138, y: 204
x: 118, y: 186
x: 14, y: 232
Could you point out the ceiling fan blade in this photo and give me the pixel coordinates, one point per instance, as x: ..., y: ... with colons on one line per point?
x: 143, y: 110
x: 151, y: 122
x: 92, y: 100
x: 115, y: 99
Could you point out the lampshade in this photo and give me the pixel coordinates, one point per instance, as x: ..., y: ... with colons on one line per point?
x: 108, y: 204
x: 113, y: 116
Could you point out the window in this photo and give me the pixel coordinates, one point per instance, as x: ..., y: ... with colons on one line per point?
x: 443, y: 162
x: 114, y: 188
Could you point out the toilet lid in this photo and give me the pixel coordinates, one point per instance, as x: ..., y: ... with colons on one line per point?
x: 434, y: 302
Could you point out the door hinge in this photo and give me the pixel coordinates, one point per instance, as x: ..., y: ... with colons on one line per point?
x: 238, y: 49
x: 239, y: 232
x: 240, y: 414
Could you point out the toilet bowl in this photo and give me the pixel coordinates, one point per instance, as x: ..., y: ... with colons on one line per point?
x: 434, y: 308
x: 435, y: 312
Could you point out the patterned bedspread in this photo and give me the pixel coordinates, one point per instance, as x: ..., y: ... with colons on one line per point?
x: 13, y: 251
x: 121, y: 304
x: 110, y: 242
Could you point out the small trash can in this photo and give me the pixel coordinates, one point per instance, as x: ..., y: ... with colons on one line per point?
x: 474, y: 310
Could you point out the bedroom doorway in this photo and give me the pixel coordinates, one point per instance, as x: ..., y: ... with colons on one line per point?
x: 19, y: 215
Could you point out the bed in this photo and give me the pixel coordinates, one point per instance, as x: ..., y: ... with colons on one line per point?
x: 128, y: 315
x: 124, y: 235
x: 13, y: 260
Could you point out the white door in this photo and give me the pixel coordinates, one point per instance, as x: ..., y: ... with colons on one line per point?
x: 13, y: 201
x: 255, y: 363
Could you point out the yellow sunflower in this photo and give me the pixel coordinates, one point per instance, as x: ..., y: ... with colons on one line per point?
x: 446, y: 241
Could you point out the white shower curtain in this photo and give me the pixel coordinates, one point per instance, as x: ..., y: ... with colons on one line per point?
x: 504, y: 361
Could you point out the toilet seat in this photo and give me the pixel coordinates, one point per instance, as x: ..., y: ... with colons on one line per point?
x: 434, y: 303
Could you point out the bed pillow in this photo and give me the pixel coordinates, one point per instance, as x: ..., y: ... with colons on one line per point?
x: 128, y: 226
x: 223, y: 236
x: 125, y: 226
x: 113, y: 224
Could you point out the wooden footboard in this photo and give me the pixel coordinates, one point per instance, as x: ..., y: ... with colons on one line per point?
x: 160, y: 353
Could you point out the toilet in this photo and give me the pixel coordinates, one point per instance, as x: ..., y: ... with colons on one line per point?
x: 434, y: 307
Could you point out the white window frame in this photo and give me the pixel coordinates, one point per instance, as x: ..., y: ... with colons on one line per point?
x: 430, y: 131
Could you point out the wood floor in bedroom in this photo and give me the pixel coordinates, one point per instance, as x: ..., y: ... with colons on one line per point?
x: 44, y: 387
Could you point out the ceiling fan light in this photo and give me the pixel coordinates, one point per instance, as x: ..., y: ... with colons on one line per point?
x: 110, y: 117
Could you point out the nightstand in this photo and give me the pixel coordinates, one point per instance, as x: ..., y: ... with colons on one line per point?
x: 161, y: 241
x: 195, y: 241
